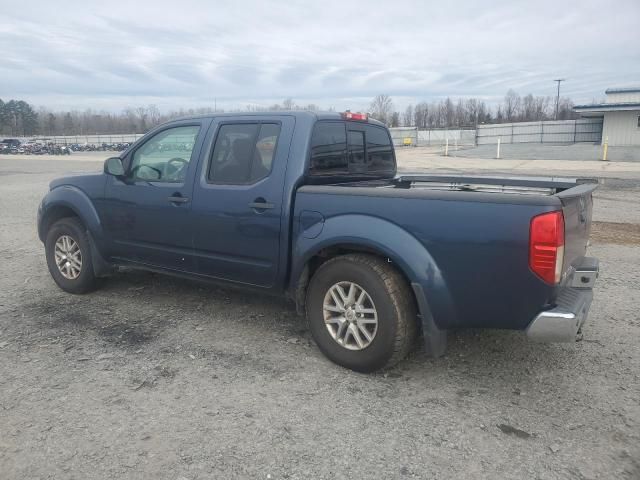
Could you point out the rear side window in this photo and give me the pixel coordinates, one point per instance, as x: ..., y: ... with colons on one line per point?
x: 357, y: 162
x: 379, y: 150
x: 329, y: 149
x: 243, y: 153
x: 342, y: 148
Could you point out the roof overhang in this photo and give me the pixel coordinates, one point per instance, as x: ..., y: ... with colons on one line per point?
x: 622, y: 90
x: 599, y: 109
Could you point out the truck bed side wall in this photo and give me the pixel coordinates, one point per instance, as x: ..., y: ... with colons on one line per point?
x: 470, y: 256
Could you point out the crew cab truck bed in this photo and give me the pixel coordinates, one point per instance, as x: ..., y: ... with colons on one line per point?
x: 466, y: 249
x: 310, y: 206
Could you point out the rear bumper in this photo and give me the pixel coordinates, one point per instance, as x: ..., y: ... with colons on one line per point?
x: 564, y: 322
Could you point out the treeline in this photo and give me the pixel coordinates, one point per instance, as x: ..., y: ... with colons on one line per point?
x: 470, y: 112
x: 18, y: 118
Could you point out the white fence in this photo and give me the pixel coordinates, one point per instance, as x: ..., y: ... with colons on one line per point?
x: 588, y: 130
x: 562, y: 131
x: 414, y: 137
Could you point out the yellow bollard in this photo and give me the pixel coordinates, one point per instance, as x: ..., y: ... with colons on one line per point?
x: 605, y: 147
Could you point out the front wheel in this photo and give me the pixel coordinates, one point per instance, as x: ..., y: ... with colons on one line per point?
x: 361, y: 312
x: 68, y: 255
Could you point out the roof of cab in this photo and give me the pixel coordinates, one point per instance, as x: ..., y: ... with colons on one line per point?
x: 294, y: 113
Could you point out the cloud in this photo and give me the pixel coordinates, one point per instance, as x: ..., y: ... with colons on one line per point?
x: 73, y: 54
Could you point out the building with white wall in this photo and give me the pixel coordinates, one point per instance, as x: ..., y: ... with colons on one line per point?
x: 620, y: 113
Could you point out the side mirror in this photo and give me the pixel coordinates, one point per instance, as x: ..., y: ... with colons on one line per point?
x: 113, y: 166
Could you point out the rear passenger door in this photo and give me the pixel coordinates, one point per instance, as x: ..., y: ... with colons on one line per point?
x: 237, y: 205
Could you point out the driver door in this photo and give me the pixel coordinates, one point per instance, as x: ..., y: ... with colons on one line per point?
x: 147, y: 214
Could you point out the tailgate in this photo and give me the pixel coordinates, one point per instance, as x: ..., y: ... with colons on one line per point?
x: 577, y: 207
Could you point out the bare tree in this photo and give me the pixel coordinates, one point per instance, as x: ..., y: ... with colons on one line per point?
x: 541, y: 108
x: 484, y: 113
x: 67, y: 125
x: 421, y: 114
x: 565, y: 109
x: 471, y: 114
x: 141, y: 114
x: 288, y: 104
x: 395, y: 120
x: 528, y: 107
x: 153, y: 114
x: 448, y: 113
x: 408, y: 120
x: 381, y: 108
x: 511, y: 106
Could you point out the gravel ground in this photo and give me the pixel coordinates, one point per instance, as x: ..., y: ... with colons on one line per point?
x: 155, y: 377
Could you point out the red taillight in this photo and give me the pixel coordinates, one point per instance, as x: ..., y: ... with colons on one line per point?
x: 546, y: 246
x: 355, y: 116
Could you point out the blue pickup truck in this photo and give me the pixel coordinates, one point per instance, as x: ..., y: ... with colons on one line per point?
x: 310, y: 205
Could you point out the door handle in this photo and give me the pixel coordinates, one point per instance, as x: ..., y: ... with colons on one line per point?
x: 261, y: 204
x: 178, y: 199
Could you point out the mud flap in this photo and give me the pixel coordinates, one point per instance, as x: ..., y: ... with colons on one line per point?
x: 101, y: 268
x: 435, y: 339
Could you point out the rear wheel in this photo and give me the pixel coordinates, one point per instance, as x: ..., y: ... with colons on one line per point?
x: 68, y: 255
x: 361, y: 312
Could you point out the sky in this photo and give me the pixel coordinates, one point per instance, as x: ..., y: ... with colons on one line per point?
x: 340, y: 54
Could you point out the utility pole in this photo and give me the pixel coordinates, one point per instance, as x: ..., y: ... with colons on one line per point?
x: 559, y: 80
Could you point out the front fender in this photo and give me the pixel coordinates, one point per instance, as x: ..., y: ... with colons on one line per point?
x: 72, y: 198
x: 390, y: 240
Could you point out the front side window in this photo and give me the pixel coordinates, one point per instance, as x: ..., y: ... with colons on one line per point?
x: 166, y: 156
x: 329, y: 149
x: 243, y: 153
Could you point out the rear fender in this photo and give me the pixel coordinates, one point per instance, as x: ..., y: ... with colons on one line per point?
x: 389, y: 240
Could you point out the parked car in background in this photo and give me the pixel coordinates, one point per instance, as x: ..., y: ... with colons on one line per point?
x: 10, y: 145
x: 11, y: 142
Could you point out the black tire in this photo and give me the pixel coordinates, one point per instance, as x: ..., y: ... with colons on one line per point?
x: 72, y: 227
x: 394, y: 302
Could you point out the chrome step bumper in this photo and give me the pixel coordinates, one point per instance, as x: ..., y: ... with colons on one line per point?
x: 564, y: 322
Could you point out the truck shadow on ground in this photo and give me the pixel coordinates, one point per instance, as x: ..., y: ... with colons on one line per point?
x: 133, y: 309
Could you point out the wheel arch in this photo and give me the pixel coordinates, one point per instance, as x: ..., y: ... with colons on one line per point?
x: 373, y: 235
x: 53, y: 214
x: 68, y: 201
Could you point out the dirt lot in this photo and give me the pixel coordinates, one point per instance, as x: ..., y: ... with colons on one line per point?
x: 154, y: 377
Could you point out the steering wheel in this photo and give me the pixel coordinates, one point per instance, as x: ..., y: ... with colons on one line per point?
x: 135, y: 169
x: 181, y: 164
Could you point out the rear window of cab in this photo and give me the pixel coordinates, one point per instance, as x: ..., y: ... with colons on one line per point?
x: 350, y: 148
